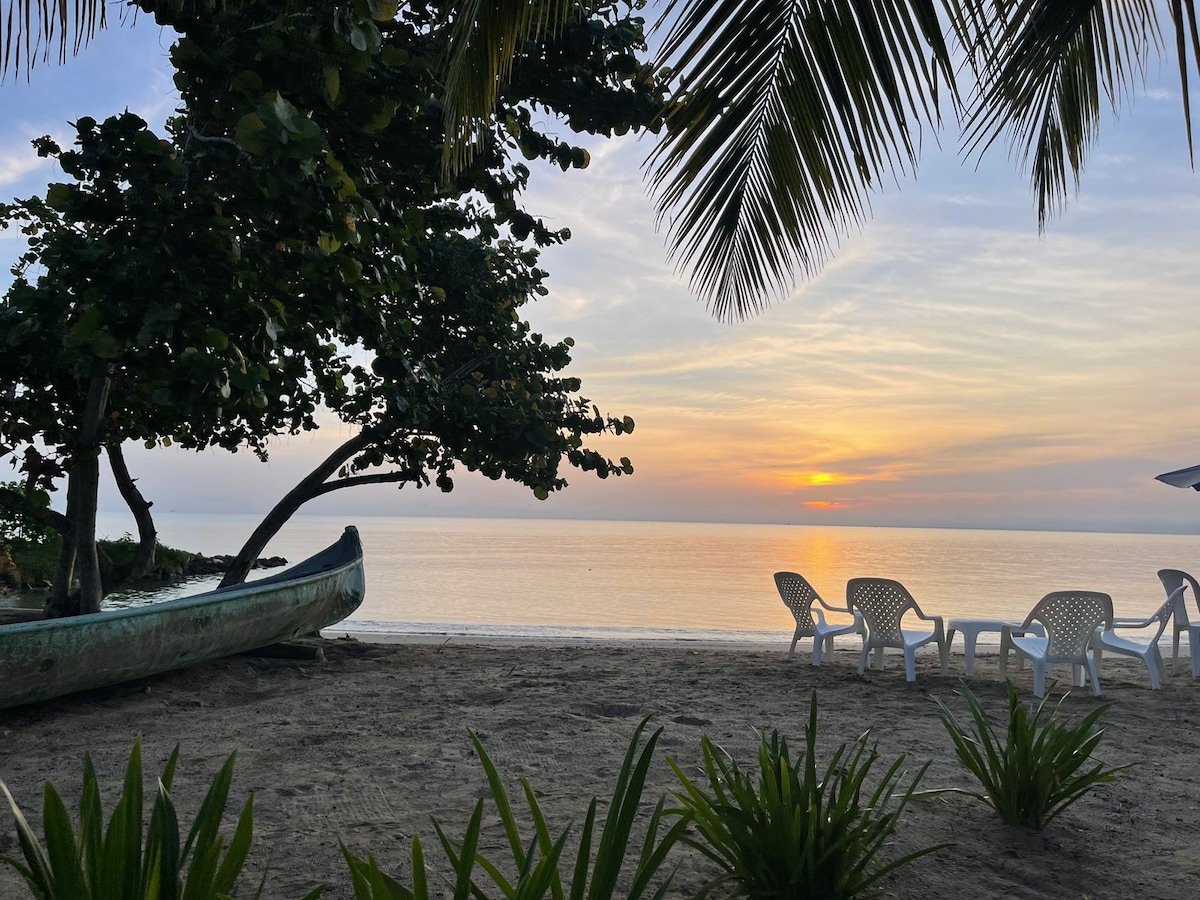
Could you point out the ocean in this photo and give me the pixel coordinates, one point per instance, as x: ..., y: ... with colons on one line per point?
x: 617, y: 580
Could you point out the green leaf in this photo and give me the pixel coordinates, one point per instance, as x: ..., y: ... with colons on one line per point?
x: 59, y: 196
x: 216, y: 339
x: 286, y: 114
x: 333, y: 82
x: 105, y: 346
x: 251, y: 134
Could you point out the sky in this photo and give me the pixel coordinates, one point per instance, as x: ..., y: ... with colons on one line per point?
x: 949, y: 368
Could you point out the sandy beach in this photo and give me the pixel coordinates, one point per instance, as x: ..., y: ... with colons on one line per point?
x: 366, y: 746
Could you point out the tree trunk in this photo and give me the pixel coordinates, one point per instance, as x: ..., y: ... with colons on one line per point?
x: 143, y: 563
x: 59, y: 603
x: 311, y: 486
x: 79, y: 558
x: 87, y: 560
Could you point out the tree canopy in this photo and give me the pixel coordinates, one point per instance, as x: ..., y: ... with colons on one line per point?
x: 786, y: 115
x: 288, y: 244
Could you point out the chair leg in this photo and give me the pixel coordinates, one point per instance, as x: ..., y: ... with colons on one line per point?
x: 1039, y: 678
x: 1154, y: 663
x: 829, y: 646
x: 1174, y: 649
x: 1194, y: 650
x: 879, y: 658
x: 818, y: 646
x: 1091, y: 663
x: 795, y: 637
x: 866, y: 654
x: 910, y: 664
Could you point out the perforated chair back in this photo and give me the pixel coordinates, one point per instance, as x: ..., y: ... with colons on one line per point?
x: 1070, y: 619
x: 1172, y: 579
x: 883, y: 603
x: 798, y: 596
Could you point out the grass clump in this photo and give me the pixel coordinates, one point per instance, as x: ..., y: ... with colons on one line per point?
x: 542, y: 866
x: 792, y: 830
x: 98, y: 862
x: 1038, y: 767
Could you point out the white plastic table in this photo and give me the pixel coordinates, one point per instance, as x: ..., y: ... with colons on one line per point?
x: 972, y: 628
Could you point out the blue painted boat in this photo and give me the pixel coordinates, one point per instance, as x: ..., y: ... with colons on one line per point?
x: 52, y: 657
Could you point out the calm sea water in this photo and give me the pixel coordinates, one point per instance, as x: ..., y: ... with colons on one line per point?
x: 629, y: 580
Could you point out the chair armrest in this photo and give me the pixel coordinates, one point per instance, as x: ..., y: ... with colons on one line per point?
x: 1034, y: 628
x: 939, y: 622
x: 1130, y: 622
x: 837, y: 609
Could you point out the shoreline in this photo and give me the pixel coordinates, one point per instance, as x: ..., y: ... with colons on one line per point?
x: 367, y: 746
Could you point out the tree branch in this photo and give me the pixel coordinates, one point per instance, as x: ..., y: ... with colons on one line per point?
x: 16, y: 500
x: 379, y: 478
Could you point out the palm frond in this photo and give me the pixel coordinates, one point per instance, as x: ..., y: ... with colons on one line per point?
x: 37, y: 31
x: 484, y: 41
x: 32, y: 30
x: 788, y: 113
x: 1042, y: 68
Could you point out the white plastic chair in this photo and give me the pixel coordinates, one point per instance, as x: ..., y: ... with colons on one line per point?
x: 883, y: 604
x: 1070, y: 619
x: 1172, y: 579
x: 1108, y: 639
x: 802, y: 598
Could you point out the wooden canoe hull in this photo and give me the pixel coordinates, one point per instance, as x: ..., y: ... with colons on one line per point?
x: 50, y: 658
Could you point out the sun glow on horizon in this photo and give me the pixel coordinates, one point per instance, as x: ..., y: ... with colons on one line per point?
x: 822, y: 478
x: 826, y: 504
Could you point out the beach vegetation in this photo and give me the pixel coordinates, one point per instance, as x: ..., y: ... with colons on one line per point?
x: 546, y: 864
x: 447, y: 374
x: 288, y: 244
x: 786, y: 116
x: 23, y: 514
x: 118, y: 557
x: 797, y: 829
x: 130, y: 858
x: 1036, y: 766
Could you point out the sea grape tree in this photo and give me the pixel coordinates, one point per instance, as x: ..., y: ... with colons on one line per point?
x: 288, y: 245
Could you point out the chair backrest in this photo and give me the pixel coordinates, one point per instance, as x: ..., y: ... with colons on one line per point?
x: 1070, y: 618
x: 883, y: 603
x: 1175, y: 578
x: 798, y: 596
x: 1165, y: 612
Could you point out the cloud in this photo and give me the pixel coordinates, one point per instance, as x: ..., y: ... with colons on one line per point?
x: 17, y: 162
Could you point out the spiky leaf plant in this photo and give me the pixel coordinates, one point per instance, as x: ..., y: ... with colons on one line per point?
x: 541, y: 863
x: 98, y: 862
x: 792, y: 830
x: 1037, y: 768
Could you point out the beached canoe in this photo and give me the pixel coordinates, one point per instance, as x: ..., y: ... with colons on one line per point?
x: 52, y: 657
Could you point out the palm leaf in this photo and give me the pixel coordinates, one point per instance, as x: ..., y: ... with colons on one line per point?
x: 485, y: 39
x: 789, y: 112
x: 1043, y: 67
